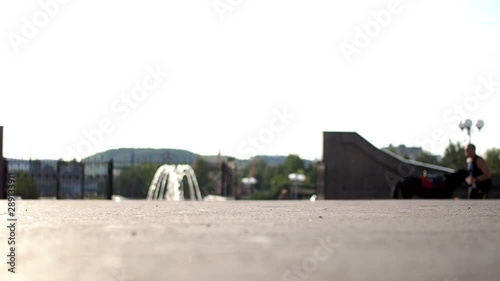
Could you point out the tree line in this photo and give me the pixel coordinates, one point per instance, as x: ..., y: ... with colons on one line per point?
x: 134, y: 181
x: 270, y: 179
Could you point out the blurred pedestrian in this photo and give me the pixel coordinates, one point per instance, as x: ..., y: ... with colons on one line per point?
x: 479, y: 176
x: 283, y: 194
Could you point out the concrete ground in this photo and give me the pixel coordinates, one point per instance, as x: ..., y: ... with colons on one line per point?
x: 247, y: 240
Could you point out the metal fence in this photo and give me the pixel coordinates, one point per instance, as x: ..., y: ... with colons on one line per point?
x: 97, y: 179
x: 61, y: 179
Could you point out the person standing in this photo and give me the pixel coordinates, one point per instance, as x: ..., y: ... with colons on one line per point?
x: 479, y: 176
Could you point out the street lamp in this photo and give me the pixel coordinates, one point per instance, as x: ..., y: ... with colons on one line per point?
x: 295, y: 179
x: 249, y: 182
x: 467, y: 124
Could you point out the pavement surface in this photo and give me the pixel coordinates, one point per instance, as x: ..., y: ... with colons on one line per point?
x: 453, y: 240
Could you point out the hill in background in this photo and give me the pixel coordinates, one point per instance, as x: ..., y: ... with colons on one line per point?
x: 132, y: 156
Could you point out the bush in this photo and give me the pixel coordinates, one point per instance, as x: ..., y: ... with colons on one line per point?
x: 26, y: 187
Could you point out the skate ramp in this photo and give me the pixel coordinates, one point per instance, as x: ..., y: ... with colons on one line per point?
x: 355, y: 169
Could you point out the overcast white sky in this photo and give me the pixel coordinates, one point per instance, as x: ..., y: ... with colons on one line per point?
x: 230, y: 71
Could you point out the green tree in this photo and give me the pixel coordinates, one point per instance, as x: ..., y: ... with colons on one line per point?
x: 26, y: 186
x: 454, y: 156
x: 396, y: 151
x: 201, y: 170
x: 310, y: 172
x: 260, y: 167
x: 277, y: 177
x: 427, y: 157
x: 133, y: 182
x: 207, y: 175
x: 294, y: 164
x: 492, y: 157
x: 392, y: 149
x: 272, y: 179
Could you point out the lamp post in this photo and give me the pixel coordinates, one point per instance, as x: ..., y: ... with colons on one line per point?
x: 467, y: 125
x: 249, y: 182
x: 295, y: 179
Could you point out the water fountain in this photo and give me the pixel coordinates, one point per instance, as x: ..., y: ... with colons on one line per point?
x: 174, y: 183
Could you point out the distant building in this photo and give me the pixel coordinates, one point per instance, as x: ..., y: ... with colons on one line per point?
x: 411, y: 153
